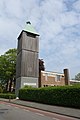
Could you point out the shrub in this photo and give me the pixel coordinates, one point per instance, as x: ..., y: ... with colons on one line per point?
x: 7, y: 95
x: 26, y: 86
x: 1, y: 90
x: 63, y: 96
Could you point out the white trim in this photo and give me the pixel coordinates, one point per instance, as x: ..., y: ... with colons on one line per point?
x: 52, y: 73
x: 74, y: 81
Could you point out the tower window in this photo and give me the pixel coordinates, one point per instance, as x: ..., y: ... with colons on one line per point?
x: 31, y: 35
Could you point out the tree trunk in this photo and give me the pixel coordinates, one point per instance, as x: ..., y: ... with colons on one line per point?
x: 10, y: 85
x: 7, y: 85
x: 14, y: 84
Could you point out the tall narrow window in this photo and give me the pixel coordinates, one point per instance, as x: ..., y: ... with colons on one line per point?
x: 58, y: 77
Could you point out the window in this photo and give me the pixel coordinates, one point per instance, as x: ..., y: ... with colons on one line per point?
x: 58, y: 77
x: 45, y: 85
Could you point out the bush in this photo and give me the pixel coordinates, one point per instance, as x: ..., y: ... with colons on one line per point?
x: 1, y: 90
x: 26, y: 86
x: 63, y: 96
x: 7, y: 96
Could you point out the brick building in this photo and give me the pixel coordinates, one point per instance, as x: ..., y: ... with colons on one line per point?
x: 52, y: 79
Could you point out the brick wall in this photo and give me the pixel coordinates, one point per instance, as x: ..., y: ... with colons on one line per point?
x: 52, y: 79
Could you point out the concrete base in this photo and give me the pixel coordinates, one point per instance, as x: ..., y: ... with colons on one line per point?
x: 22, y: 81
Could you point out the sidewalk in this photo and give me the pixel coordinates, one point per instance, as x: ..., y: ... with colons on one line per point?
x: 71, y: 112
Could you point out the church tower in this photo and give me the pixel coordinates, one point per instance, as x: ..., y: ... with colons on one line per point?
x: 27, y: 66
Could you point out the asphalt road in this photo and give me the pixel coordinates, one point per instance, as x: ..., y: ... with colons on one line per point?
x: 17, y: 112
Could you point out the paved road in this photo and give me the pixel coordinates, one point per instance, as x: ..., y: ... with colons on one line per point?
x: 17, y: 112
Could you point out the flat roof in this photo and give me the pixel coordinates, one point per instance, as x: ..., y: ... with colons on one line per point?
x: 51, y: 72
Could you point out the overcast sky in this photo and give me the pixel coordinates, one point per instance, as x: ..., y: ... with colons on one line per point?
x: 57, y: 22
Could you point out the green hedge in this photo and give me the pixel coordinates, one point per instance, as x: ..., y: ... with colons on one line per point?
x: 7, y: 96
x: 63, y: 96
x: 1, y: 90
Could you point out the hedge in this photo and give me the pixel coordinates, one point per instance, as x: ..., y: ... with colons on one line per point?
x: 63, y: 96
x: 7, y: 96
x: 1, y: 90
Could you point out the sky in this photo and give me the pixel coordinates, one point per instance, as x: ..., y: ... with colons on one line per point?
x: 56, y: 21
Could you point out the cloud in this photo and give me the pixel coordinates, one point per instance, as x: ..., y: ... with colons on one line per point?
x: 76, y: 6
x: 8, y: 33
x: 69, y: 19
x: 12, y: 8
x: 57, y: 22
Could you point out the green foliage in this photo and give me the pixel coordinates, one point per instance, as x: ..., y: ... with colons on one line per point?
x: 1, y: 90
x: 7, y: 95
x: 26, y: 86
x: 77, y: 77
x: 63, y: 96
x: 8, y: 66
x: 76, y: 84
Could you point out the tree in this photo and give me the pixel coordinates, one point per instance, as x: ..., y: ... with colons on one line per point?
x: 77, y: 77
x: 8, y: 68
x: 41, y: 67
